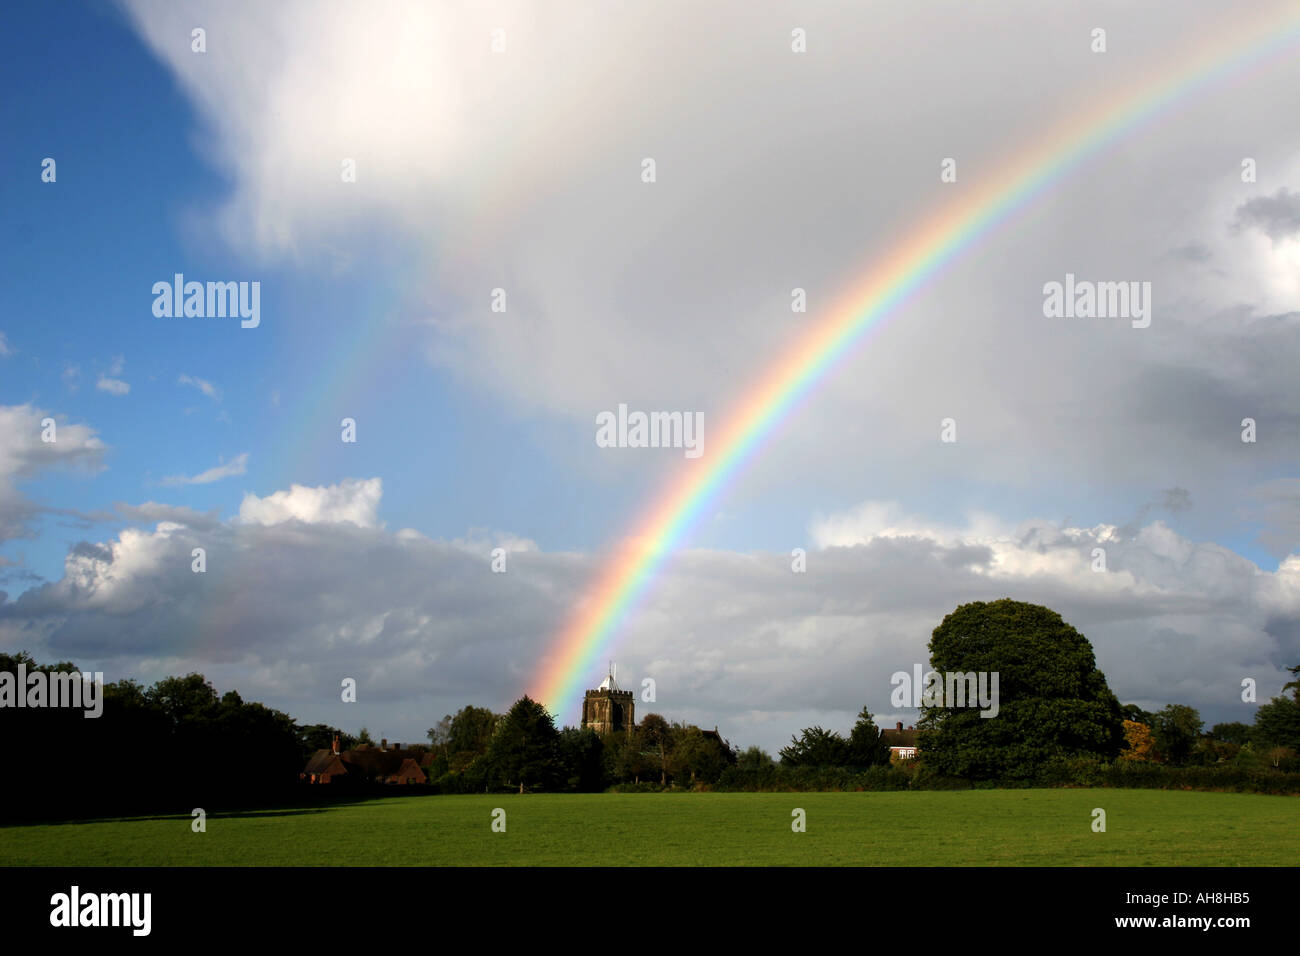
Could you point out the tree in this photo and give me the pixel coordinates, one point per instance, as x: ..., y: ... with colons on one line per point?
x: 1293, y: 686
x: 657, y: 734
x: 440, y: 735
x: 1232, y: 733
x: 364, y: 739
x: 471, y: 730
x: 754, y: 767
x: 183, y: 699
x: 1053, y: 702
x: 866, y: 747
x: 321, y: 737
x: 1277, y: 723
x: 525, y: 747
x: 582, y: 759
x: 1175, y: 729
x: 1137, y: 741
x: 1136, y: 714
x: 816, y: 747
x: 697, y: 756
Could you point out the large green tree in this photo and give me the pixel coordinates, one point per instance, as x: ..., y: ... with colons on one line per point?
x: 1052, y: 700
x: 525, y: 748
x: 1277, y: 723
x: 1175, y: 729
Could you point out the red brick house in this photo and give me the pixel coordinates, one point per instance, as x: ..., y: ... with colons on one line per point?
x: 902, y: 743
x: 367, y: 764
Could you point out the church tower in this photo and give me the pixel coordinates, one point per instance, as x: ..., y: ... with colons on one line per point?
x: 607, y: 708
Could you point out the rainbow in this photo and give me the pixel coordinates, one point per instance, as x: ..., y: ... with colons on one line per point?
x: 912, y: 262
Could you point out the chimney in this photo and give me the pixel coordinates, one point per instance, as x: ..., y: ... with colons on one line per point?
x: 383, y: 743
x: 336, y: 743
x: 899, y: 726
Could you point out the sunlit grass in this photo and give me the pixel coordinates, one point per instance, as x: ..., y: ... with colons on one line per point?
x: 920, y: 828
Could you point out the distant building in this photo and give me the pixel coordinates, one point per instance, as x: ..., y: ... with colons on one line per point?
x: 367, y: 764
x: 902, y: 743
x: 607, y: 708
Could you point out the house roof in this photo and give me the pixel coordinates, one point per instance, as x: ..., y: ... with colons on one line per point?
x: 324, y: 761
x: 363, y: 761
x: 899, y: 738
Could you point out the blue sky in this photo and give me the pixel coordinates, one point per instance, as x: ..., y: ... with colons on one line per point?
x: 121, y: 216
x: 520, y: 171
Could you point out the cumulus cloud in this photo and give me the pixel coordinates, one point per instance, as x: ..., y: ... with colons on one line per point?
x: 306, y: 587
x: 355, y: 501
x: 1276, y: 216
x: 236, y: 466
x: 771, y: 175
x: 23, y: 455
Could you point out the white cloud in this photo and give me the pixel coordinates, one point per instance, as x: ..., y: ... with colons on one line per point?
x: 6, y: 349
x: 676, y: 294
x: 23, y: 455
x: 109, y: 381
x: 236, y: 466
x: 204, y: 386
x: 114, y: 386
x: 353, y: 500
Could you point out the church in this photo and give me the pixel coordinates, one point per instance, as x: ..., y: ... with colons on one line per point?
x: 610, y: 709
x: 607, y: 708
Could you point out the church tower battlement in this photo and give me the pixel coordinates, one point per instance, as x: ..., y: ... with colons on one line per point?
x: 608, y: 708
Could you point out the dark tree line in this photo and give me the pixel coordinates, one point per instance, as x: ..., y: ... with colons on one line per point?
x: 476, y: 750
x: 175, y: 745
x: 1175, y: 735
x: 1056, y: 707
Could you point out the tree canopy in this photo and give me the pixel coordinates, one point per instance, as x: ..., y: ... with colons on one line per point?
x: 1053, y: 701
x: 525, y: 748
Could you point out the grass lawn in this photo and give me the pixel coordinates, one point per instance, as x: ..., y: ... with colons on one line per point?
x: 920, y: 828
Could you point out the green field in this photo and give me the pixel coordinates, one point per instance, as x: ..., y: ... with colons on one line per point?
x: 919, y: 828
